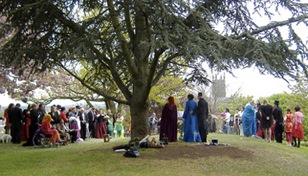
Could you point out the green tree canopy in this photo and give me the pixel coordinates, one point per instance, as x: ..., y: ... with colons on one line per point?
x: 134, y: 43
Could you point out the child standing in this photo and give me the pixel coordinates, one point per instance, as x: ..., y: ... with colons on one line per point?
x: 289, y: 126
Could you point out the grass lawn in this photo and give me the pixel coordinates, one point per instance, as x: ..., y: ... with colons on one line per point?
x: 94, y: 157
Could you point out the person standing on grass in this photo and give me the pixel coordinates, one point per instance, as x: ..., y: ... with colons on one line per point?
x: 277, y: 114
x: 203, y: 112
x: 7, y: 111
x: 16, y: 118
x: 191, y: 130
x: 248, y: 117
x: 289, y: 126
x: 297, y: 131
x: 267, y: 119
x: 169, y: 121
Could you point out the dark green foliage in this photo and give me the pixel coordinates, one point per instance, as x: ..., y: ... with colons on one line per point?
x: 134, y: 43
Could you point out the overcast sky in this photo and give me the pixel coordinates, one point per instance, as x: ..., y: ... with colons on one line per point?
x: 251, y: 82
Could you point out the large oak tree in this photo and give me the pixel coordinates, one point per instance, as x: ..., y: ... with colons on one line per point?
x: 132, y: 43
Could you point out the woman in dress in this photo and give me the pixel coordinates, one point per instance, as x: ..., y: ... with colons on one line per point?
x: 266, y: 120
x: 248, y: 117
x: 27, y: 122
x: 169, y: 121
x: 297, y: 131
x: 101, y: 126
x: 191, y: 130
x: 289, y: 126
x: 47, y: 130
x: 6, y: 116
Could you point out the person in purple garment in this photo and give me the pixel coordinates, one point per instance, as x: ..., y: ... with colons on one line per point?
x: 169, y: 121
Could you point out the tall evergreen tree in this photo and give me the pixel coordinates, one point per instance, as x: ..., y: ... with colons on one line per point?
x: 133, y: 42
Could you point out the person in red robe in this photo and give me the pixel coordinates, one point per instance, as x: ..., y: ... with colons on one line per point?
x: 7, y: 120
x: 169, y: 120
x: 101, y: 126
x: 26, y: 124
x: 47, y: 130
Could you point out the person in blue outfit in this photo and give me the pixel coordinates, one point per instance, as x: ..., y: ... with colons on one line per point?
x: 191, y: 130
x: 248, y: 119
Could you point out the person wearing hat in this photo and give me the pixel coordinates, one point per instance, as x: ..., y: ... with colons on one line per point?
x: 203, y: 112
x: 277, y: 114
x: 47, y: 130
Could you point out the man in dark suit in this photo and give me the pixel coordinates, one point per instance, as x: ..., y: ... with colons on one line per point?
x: 91, y: 119
x: 16, y: 120
x: 277, y: 114
x: 203, y: 112
x: 83, y: 123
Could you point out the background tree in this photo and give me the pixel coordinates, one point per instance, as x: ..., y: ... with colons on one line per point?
x: 167, y: 86
x: 301, y: 87
x: 290, y: 101
x: 133, y: 43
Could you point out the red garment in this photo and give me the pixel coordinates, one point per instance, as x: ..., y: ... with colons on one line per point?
x: 289, y: 137
x: 101, y: 129
x: 260, y: 132
x: 63, y: 116
x: 6, y: 115
x: 45, y: 127
x: 289, y: 123
x: 297, y: 131
x: 273, y: 131
x: 169, y: 123
x: 25, y: 129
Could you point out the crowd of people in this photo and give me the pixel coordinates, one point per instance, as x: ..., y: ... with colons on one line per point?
x: 61, y: 124
x: 265, y: 121
x: 73, y: 124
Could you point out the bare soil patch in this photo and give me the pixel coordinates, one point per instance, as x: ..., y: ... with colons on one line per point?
x: 171, y: 152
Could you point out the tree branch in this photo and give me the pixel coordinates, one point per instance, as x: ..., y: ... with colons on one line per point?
x: 124, y: 45
x: 164, y: 68
x: 91, y: 88
x: 273, y: 25
x: 128, y: 20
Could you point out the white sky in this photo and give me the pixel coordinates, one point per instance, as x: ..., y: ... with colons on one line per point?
x: 250, y: 82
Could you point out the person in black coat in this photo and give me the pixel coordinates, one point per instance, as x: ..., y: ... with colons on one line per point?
x: 203, y: 113
x: 83, y: 123
x: 277, y: 114
x: 16, y: 118
x: 91, y: 119
x: 34, y: 119
x: 267, y: 119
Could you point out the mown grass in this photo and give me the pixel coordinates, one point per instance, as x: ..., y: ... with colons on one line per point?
x: 94, y: 157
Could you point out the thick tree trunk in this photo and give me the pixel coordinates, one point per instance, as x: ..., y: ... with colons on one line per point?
x: 139, y: 108
x: 139, y: 121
